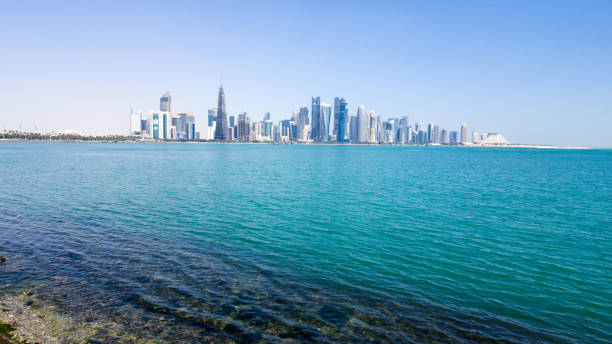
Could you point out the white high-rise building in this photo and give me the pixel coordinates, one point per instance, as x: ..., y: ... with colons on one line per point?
x: 160, y: 126
x: 135, y: 122
x: 475, y: 137
x: 210, y: 130
x: 373, y: 127
x: 464, y: 134
x: 256, y: 132
x: 435, y: 132
x: 363, y: 125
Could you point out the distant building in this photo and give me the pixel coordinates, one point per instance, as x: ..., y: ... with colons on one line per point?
x: 475, y: 137
x: 268, y: 129
x: 306, y: 133
x: 372, y: 128
x: 379, y: 129
x: 453, y: 138
x: 185, y: 126
x: 255, y: 134
x: 341, y: 108
x: 464, y: 134
x: 495, y: 139
x: 386, y: 132
x: 392, y: 125
x: 436, y: 134
x: 267, y: 116
x: 363, y: 124
x: 212, y: 116
x: 336, y: 118
x: 398, y: 130
x: 320, y: 123
x: 286, y: 132
x: 210, y: 131
x: 422, y: 137
x: 244, y: 127
x: 221, y: 129
x: 302, y: 121
x: 276, y: 133
x: 353, y: 129
x: 404, y: 133
x: 160, y: 125
x: 135, y: 122
x: 444, y: 136
x: 165, y: 102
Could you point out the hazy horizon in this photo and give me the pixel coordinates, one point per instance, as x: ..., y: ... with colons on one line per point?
x: 537, y: 73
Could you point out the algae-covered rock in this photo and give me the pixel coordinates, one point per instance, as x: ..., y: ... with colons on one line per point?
x: 6, y: 336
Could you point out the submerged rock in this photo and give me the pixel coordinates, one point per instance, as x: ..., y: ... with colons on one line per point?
x: 6, y: 336
x: 334, y: 314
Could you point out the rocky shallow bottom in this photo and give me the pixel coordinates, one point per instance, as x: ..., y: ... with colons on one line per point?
x: 25, y: 319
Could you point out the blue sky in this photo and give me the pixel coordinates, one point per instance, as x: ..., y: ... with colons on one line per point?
x: 536, y: 71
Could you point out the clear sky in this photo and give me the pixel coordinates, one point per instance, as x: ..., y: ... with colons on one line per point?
x: 535, y: 71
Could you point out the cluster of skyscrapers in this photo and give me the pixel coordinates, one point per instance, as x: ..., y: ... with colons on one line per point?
x: 162, y: 124
x: 321, y: 123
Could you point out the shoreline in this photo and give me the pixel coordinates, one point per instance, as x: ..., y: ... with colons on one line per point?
x: 534, y: 146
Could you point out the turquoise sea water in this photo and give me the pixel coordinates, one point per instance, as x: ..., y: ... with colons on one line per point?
x: 247, y: 243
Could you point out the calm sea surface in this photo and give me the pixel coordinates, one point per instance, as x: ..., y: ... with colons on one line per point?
x: 247, y: 243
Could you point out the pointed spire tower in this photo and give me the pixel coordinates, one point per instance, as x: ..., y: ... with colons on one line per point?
x: 221, y: 130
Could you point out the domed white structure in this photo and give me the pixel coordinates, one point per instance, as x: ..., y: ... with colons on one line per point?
x: 495, y: 139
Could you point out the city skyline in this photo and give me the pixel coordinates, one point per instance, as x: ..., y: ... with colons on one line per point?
x: 539, y: 73
x: 301, y: 127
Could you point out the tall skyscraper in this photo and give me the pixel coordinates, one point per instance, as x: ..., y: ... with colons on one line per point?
x: 353, y: 129
x: 444, y: 138
x: 404, y: 126
x: 165, y: 102
x: 320, y: 123
x: 436, y: 134
x: 379, y: 129
x: 327, y: 127
x: 453, y: 138
x: 336, y: 118
x: 161, y: 125
x: 267, y: 129
x: 221, y: 130
x: 464, y: 134
x: 363, y: 124
x: 267, y: 116
x: 244, y: 127
x: 429, y: 132
x: 318, y: 129
x: 343, y: 119
x: 372, y: 127
x: 302, y: 121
